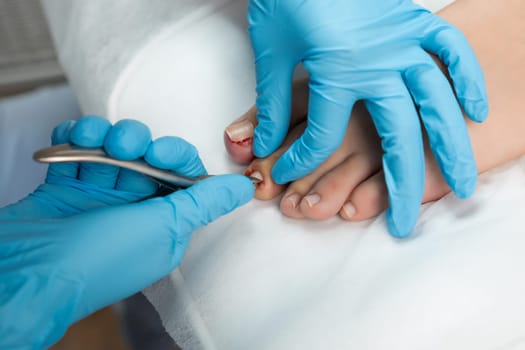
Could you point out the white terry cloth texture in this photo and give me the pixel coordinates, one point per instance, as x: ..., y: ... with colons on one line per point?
x: 96, y: 39
x: 257, y: 280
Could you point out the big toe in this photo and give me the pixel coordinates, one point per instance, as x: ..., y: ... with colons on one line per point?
x: 238, y: 137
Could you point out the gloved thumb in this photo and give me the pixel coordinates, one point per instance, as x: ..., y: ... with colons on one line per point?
x: 142, y: 242
x: 207, y: 200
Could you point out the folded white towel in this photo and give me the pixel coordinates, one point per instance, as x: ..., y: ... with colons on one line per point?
x: 95, y: 40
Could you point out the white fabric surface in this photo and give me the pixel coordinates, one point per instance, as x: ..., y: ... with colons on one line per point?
x: 257, y: 280
x: 96, y: 39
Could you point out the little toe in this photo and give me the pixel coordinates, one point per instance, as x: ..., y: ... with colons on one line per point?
x: 325, y: 199
x: 290, y: 203
x: 369, y: 199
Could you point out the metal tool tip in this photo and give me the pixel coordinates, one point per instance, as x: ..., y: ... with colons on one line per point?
x: 255, y: 180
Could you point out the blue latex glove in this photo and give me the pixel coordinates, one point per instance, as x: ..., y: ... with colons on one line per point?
x: 83, y: 240
x: 374, y: 51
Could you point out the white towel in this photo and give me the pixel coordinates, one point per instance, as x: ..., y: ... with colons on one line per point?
x: 95, y: 40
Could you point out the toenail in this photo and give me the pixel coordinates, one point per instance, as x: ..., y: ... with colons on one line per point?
x: 294, y: 199
x: 257, y: 175
x: 348, y: 210
x: 240, y: 131
x: 312, y: 199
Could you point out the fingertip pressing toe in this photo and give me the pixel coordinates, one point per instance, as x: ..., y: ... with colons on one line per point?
x: 279, y: 173
x: 483, y: 112
x: 399, y: 228
x: 467, y: 188
x: 259, y: 149
x: 478, y: 110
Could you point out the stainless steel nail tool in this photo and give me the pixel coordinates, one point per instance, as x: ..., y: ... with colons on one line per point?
x: 68, y: 153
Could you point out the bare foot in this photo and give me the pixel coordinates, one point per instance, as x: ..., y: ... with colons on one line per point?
x: 351, y: 183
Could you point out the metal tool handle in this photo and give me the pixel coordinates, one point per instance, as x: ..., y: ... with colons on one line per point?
x: 68, y: 153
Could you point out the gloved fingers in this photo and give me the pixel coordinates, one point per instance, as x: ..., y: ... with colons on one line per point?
x: 131, y: 181
x: 328, y: 115
x: 454, y: 50
x: 126, y: 140
x: 140, y: 243
x: 90, y: 131
x: 101, y: 175
x: 445, y: 125
x: 61, y: 134
x: 398, y: 125
x: 175, y: 154
x: 274, y: 100
x: 170, y: 153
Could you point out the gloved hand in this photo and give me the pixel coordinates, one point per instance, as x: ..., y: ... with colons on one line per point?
x: 374, y: 51
x: 83, y: 240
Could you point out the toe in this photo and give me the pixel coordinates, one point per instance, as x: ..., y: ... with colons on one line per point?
x: 238, y: 137
x: 262, y: 168
x: 325, y: 199
x: 369, y: 199
x: 290, y: 203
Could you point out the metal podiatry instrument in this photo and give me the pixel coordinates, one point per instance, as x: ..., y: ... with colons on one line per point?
x: 68, y: 153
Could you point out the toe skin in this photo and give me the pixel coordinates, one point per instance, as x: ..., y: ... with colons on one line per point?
x: 241, y: 152
x: 370, y: 198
